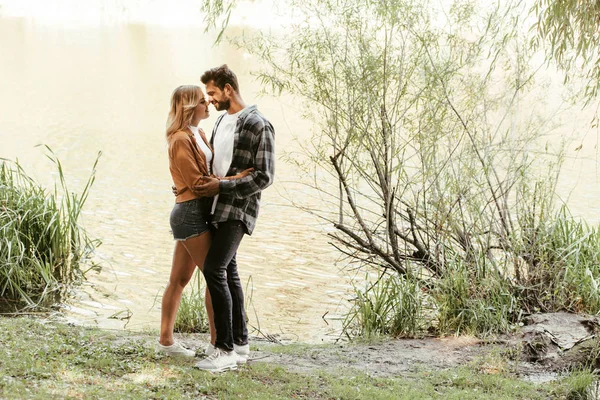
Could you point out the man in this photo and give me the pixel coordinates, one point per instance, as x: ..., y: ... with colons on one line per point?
x: 242, y: 138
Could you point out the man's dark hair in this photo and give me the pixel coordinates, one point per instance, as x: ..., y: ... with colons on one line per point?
x: 221, y: 76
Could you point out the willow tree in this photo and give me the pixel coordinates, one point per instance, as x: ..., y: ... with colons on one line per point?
x: 569, y: 31
x: 422, y: 153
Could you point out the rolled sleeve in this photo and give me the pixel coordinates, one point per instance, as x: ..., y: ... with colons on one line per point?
x: 226, y: 186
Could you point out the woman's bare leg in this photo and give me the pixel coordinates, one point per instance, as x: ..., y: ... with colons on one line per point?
x: 182, y: 270
x: 197, y: 248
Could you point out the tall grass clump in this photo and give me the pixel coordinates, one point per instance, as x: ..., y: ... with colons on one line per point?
x: 392, y: 305
x: 560, y: 267
x: 192, y: 317
x: 42, y: 245
x: 469, y: 304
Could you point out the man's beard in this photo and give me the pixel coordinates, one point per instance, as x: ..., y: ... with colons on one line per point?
x: 223, y: 105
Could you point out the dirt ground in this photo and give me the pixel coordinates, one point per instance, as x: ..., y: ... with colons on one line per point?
x: 392, y: 357
x: 548, y: 345
x: 388, y: 358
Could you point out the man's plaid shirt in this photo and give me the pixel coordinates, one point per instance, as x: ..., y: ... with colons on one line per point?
x: 253, y: 146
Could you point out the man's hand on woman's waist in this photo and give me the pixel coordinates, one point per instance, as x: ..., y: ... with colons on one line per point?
x: 208, y: 188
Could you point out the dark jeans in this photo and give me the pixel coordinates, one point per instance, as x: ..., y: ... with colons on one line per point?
x: 224, y: 285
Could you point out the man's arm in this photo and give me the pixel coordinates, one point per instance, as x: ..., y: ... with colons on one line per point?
x: 210, y: 184
x: 264, y: 167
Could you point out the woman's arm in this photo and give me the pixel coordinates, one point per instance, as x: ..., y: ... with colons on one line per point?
x: 183, y: 159
x: 239, y: 175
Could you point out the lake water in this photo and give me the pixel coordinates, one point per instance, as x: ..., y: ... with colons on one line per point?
x: 88, y: 84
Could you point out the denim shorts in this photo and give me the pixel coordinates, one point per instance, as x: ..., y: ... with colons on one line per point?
x: 191, y: 218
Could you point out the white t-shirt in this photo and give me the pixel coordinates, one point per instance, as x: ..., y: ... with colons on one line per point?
x: 223, y: 146
x: 205, y: 149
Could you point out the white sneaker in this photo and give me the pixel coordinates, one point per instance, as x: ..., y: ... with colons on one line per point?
x: 219, y: 361
x: 176, y: 349
x: 242, y: 351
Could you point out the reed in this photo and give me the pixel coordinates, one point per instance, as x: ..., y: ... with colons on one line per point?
x: 42, y: 245
x: 393, y: 305
x: 465, y: 303
x: 563, y: 265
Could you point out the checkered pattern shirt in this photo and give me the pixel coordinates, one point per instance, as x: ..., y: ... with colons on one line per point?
x: 253, y: 146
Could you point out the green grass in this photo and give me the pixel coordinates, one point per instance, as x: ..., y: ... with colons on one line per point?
x: 470, y: 304
x: 42, y: 244
x: 564, y: 272
x: 393, y: 305
x: 47, y: 360
x: 580, y: 383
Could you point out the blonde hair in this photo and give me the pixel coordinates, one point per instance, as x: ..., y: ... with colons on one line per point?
x: 184, y: 101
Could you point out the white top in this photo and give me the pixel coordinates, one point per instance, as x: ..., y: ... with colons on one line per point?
x: 223, y: 146
x: 205, y: 149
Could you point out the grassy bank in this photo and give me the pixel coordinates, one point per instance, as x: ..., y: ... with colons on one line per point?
x: 45, y: 360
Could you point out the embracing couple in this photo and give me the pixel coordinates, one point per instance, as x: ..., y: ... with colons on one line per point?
x: 218, y: 185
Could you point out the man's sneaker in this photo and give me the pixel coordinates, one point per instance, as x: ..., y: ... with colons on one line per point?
x: 242, y: 351
x: 176, y: 349
x: 219, y: 361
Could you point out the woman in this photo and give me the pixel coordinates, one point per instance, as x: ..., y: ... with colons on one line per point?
x: 190, y: 157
